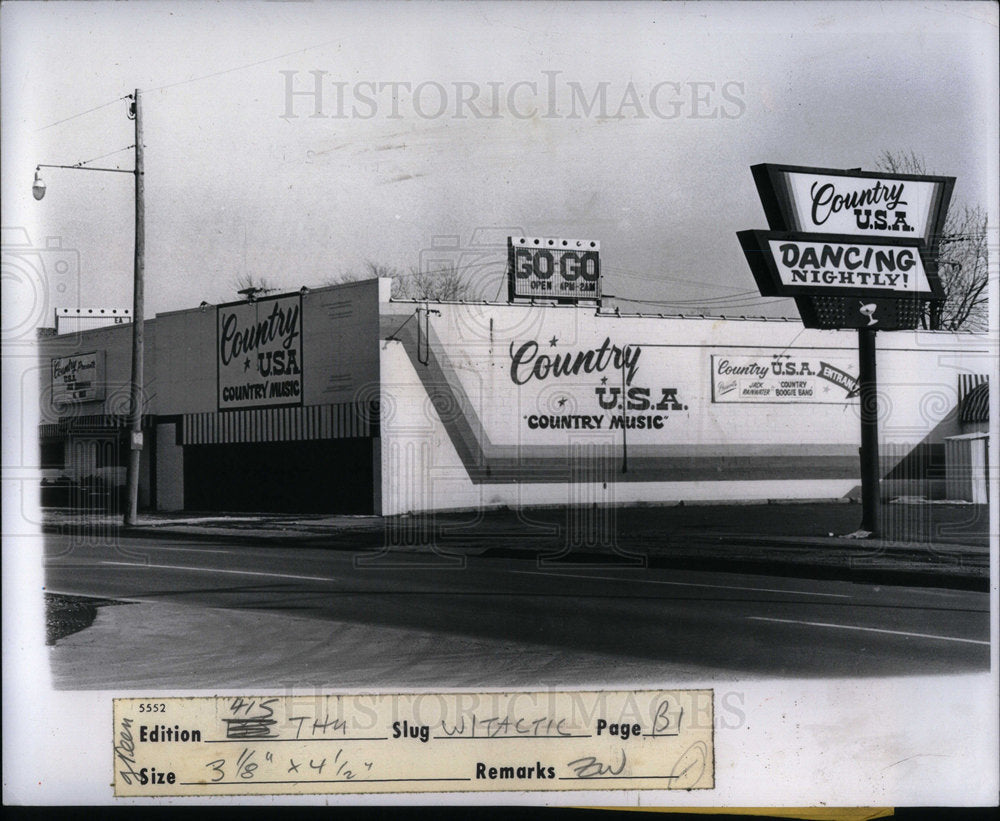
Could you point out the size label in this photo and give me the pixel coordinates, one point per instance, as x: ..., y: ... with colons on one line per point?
x: 440, y: 742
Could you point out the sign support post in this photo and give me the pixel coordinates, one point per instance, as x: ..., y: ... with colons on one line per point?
x: 855, y: 249
x: 624, y: 416
x: 870, y: 498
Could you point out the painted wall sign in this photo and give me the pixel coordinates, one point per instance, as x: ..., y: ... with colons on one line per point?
x: 793, y: 264
x: 259, y: 351
x: 855, y: 203
x: 598, y: 387
x: 803, y: 377
x: 548, y: 268
x: 78, y: 378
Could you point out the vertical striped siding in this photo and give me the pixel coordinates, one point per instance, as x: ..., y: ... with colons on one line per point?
x: 347, y: 420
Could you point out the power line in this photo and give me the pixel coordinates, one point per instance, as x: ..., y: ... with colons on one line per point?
x: 74, y: 116
x: 116, y: 151
x: 240, y: 68
x: 713, y: 306
x: 733, y: 303
x: 740, y: 297
x: 662, y: 278
x: 191, y: 80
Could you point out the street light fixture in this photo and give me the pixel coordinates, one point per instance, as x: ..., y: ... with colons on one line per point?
x: 38, y: 187
x: 135, y: 397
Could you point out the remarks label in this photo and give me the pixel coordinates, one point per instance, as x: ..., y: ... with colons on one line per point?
x: 630, y: 740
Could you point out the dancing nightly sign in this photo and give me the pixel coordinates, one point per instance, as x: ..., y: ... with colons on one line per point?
x: 795, y: 264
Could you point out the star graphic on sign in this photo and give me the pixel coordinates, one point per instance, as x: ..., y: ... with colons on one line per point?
x: 604, y: 380
x: 553, y: 341
x: 826, y: 389
x: 246, y: 364
x: 562, y: 401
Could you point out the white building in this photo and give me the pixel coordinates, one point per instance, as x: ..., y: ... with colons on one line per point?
x: 341, y: 399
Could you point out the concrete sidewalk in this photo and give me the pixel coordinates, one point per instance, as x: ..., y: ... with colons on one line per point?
x: 925, y: 544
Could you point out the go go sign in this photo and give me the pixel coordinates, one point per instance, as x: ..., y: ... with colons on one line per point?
x: 548, y: 268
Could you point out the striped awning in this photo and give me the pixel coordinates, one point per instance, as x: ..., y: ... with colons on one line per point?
x: 975, y: 406
x: 89, y: 424
x: 347, y: 420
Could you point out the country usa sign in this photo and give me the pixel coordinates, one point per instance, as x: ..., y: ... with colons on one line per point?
x: 855, y: 203
x: 259, y: 349
x: 794, y: 264
x: 601, y: 387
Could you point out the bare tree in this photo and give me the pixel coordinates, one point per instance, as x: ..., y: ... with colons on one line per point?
x: 445, y: 283
x: 961, y: 258
x: 962, y: 263
x: 251, y: 285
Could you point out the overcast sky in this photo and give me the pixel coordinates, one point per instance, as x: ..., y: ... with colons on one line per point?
x: 497, y: 124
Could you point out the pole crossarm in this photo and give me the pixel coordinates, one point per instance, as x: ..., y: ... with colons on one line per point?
x: 86, y: 168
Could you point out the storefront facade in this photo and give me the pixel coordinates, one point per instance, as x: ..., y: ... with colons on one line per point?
x: 342, y: 400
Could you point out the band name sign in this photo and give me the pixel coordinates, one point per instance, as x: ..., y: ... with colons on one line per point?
x: 548, y: 268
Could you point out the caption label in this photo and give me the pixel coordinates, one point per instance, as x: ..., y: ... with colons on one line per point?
x: 455, y: 742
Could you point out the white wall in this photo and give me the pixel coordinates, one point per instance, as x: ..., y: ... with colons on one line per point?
x: 458, y: 429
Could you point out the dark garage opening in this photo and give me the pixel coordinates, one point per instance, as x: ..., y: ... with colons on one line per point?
x: 318, y: 476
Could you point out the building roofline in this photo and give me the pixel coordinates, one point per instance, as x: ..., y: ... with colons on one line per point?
x: 598, y: 311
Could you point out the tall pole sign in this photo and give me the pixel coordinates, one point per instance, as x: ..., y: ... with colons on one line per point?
x: 856, y: 250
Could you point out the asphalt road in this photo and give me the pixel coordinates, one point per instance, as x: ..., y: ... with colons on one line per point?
x: 204, y: 614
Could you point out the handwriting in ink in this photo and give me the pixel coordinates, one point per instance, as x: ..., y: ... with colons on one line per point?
x: 239, y: 703
x: 256, y: 726
x: 336, y: 725
x: 590, y: 767
x: 245, y: 765
x: 249, y: 727
x: 661, y: 721
x: 497, y: 727
x: 125, y: 751
x: 217, y: 767
x: 694, y: 760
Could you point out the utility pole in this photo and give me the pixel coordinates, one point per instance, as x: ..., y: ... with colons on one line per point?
x: 38, y: 189
x: 136, y: 394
